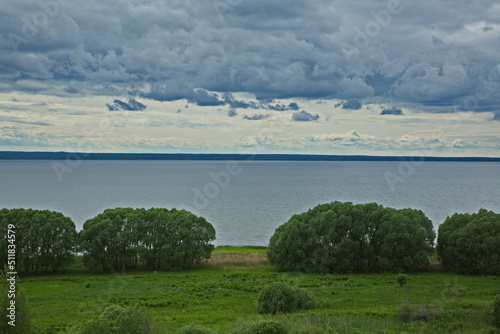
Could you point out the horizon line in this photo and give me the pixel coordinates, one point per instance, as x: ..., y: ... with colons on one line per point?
x: 63, y: 155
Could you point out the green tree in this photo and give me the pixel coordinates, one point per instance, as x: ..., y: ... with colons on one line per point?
x: 44, y: 240
x: 343, y: 237
x: 470, y: 243
x: 110, y: 241
x: 118, y: 239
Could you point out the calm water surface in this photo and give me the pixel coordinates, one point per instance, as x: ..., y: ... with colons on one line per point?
x: 247, y: 200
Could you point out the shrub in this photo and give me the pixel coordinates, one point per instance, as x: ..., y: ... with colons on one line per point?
x: 23, y: 314
x: 343, y: 237
x: 491, y: 331
x: 135, y: 320
x: 496, y: 311
x: 425, y: 312
x: 305, y: 299
x: 122, y: 320
x: 94, y: 326
x: 262, y: 327
x: 277, y: 298
x: 194, y: 329
x: 402, y: 279
x: 112, y: 312
x: 282, y: 298
x: 309, y: 330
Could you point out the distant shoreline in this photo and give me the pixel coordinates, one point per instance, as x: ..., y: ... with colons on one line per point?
x: 14, y: 155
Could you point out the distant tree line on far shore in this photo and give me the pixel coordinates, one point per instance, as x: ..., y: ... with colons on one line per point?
x: 330, y: 238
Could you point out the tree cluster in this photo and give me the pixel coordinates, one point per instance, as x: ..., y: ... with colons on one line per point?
x: 41, y: 240
x: 117, y: 239
x: 470, y: 243
x: 344, y: 237
x: 121, y: 238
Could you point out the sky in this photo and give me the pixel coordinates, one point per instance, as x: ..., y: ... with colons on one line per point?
x: 374, y: 77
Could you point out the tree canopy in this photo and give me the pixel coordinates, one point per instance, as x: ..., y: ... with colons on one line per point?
x: 120, y: 238
x: 43, y: 240
x: 470, y: 243
x: 344, y: 237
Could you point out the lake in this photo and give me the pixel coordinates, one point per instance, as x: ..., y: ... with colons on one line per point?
x: 247, y: 200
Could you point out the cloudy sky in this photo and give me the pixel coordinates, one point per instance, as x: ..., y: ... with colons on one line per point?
x: 378, y: 77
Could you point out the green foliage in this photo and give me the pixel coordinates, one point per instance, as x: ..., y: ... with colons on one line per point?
x: 122, y: 320
x: 135, y: 320
x: 282, y: 298
x: 470, y: 243
x: 194, y: 329
x: 305, y: 299
x: 402, y: 279
x: 22, y: 310
x: 277, y: 298
x: 44, y: 240
x: 217, y: 297
x: 120, y: 238
x: 95, y: 326
x: 423, y: 312
x: 496, y: 311
x: 262, y: 327
x: 308, y: 330
x: 112, y: 312
x: 343, y: 237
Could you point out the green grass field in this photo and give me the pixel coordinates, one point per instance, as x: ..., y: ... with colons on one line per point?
x: 224, y: 291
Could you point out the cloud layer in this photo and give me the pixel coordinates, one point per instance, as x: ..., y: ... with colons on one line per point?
x: 436, y: 54
x: 330, y: 77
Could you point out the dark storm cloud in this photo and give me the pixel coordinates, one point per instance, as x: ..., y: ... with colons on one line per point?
x: 304, y: 116
x: 255, y: 117
x: 350, y: 104
x: 392, y: 111
x: 131, y: 105
x: 423, y: 52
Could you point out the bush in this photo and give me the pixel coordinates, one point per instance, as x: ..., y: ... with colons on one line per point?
x: 262, y: 327
x: 343, y: 237
x: 135, y: 320
x: 122, y: 320
x: 402, y: 279
x: 112, y: 312
x: 309, y: 330
x: 496, y: 311
x: 425, y: 312
x: 491, y: 331
x: 282, y: 298
x: 194, y: 329
x: 277, y: 298
x: 305, y: 299
x: 94, y: 326
x: 23, y: 313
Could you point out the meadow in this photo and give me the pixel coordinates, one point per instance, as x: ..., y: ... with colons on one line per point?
x: 223, y: 292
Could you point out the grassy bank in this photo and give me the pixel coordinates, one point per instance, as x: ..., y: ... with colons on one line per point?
x: 224, y: 291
